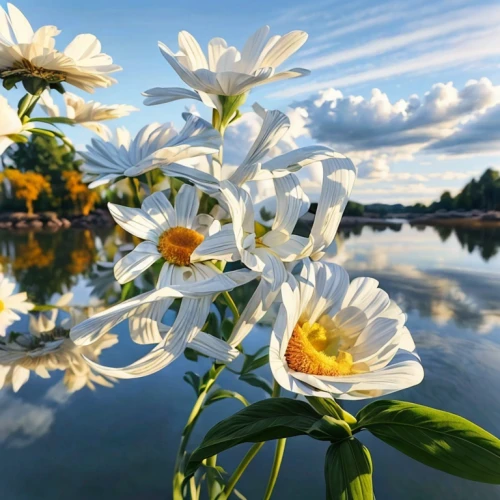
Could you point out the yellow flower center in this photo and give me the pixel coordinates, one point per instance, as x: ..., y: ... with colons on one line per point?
x: 178, y: 243
x: 306, y: 352
x: 2, y: 306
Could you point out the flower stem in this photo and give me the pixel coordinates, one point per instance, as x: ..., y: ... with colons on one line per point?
x: 230, y: 302
x: 188, y: 429
x: 278, y: 454
x: 239, y: 470
x: 26, y: 105
x: 135, y: 191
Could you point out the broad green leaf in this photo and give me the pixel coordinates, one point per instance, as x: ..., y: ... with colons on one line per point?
x: 257, y: 381
x: 265, y: 420
x: 325, y: 406
x: 348, y: 471
x: 436, y: 438
x: 220, y: 394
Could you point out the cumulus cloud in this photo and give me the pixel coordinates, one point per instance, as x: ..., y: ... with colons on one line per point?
x: 480, y: 135
x: 376, y: 131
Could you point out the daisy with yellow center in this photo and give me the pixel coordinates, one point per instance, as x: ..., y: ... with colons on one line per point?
x: 341, y: 340
x: 11, y: 304
x: 171, y: 234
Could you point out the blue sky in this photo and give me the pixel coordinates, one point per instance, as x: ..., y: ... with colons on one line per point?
x: 408, y: 149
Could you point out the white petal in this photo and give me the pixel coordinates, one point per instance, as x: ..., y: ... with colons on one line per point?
x: 286, y: 46
x: 136, y: 262
x: 213, y: 347
x: 159, y: 95
x: 186, y: 206
x: 135, y: 222
x: 339, y: 175
x: 219, y: 246
x: 160, y: 210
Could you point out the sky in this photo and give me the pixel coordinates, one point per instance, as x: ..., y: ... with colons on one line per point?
x: 410, y: 90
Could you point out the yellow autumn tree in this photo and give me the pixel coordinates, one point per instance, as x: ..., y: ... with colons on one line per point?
x: 78, y: 192
x: 27, y: 186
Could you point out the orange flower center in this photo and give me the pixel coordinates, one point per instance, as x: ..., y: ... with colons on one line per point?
x: 178, y: 243
x: 308, y: 352
x: 2, y: 306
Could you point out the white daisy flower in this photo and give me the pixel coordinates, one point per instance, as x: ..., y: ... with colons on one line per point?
x: 227, y: 72
x: 169, y: 233
x: 11, y: 304
x: 341, y: 340
x: 28, y: 54
x: 146, y: 313
x: 10, y: 125
x: 154, y: 146
x: 88, y: 114
x: 47, y: 347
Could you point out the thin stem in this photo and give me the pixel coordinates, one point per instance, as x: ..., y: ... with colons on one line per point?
x: 239, y: 470
x: 193, y: 490
x: 230, y: 302
x: 135, y: 192
x: 278, y: 454
x: 150, y: 182
x: 27, y: 104
x: 188, y: 429
x: 212, y: 485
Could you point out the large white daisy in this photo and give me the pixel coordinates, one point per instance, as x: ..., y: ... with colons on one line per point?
x: 154, y: 146
x: 169, y: 233
x: 11, y: 304
x: 226, y: 71
x: 28, y: 54
x: 341, y: 340
x: 89, y: 114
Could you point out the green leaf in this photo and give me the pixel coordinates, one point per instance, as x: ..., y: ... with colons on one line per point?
x: 9, y: 82
x: 220, y: 394
x: 227, y: 328
x: 54, y: 119
x: 193, y: 380
x: 257, y: 381
x: 329, y: 429
x: 436, y: 438
x: 58, y: 87
x: 325, y: 406
x: 348, y: 471
x: 18, y: 138
x: 191, y: 354
x: 254, y: 361
x: 265, y: 420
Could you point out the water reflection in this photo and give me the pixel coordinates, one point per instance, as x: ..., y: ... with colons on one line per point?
x: 447, y: 279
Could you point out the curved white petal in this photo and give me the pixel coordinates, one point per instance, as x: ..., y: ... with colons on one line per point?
x: 186, y: 205
x: 159, y: 95
x: 219, y: 246
x: 135, y: 222
x: 160, y: 210
x: 141, y: 258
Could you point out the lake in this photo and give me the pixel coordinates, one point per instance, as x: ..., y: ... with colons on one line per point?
x: 120, y: 442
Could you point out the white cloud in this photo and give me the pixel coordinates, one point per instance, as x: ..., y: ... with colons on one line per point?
x: 377, y: 132
x: 21, y: 423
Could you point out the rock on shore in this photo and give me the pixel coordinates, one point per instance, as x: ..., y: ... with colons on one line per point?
x: 51, y: 221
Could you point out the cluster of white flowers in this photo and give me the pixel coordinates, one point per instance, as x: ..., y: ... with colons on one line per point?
x: 330, y: 338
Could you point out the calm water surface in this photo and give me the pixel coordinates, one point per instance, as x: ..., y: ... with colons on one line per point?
x: 120, y: 442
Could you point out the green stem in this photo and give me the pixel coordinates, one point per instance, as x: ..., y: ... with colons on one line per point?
x: 135, y: 192
x: 150, y: 182
x: 188, y: 429
x: 239, y: 470
x: 278, y: 454
x: 27, y: 104
x: 230, y: 302
x: 212, y: 485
